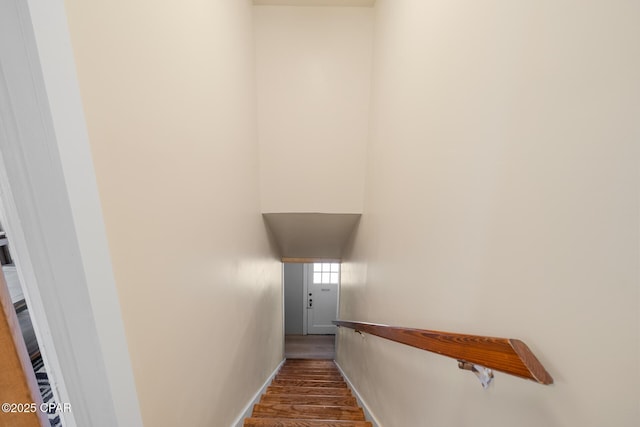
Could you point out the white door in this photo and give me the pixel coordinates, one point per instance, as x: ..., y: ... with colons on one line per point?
x: 322, y: 297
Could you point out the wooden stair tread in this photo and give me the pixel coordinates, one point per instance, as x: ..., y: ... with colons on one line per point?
x: 285, y: 410
x: 288, y: 422
x: 310, y: 399
x: 316, y: 363
x: 311, y: 363
x: 331, y: 368
x: 331, y: 365
x: 307, y: 393
x: 310, y: 373
x: 274, y: 389
x: 306, y: 376
x: 309, y: 383
x: 309, y: 369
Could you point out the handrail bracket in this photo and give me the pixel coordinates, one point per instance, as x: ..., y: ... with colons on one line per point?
x: 485, y: 375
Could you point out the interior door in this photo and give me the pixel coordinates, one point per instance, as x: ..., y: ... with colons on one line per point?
x: 322, y: 297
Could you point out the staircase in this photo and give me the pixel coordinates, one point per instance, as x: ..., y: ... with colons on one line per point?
x: 307, y: 393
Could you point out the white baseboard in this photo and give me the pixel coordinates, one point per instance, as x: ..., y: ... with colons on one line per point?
x: 367, y: 412
x: 246, y: 412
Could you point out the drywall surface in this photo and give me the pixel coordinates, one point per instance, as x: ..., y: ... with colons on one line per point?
x: 170, y: 106
x: 293, y: 298
x: 313, y: 74
x: 502, y: 199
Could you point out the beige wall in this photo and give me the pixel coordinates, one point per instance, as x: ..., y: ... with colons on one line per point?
x: 502, y: 199
x: 169, y: 99
x: 313, y: 74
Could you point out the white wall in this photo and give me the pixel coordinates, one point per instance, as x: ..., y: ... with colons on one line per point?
x: 502, y: 199
x: 313, y: 73
x: 168, y: 91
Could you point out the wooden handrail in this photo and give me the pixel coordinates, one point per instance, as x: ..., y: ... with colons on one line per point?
x: 507, y: 355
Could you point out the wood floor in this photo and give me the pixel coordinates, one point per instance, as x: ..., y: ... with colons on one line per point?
x: 307, y: 393
x: 309, y: 347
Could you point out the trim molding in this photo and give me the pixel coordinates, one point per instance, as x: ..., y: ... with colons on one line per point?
x: 51, y: 210
x: 308, y: 260
x: 246, y: 411
x: 367, y: 411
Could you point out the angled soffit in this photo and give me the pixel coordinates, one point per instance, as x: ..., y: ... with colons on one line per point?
x: 311, y: 235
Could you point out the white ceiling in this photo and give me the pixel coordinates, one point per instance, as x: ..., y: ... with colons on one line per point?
x: 365, y: 3
x: 311, y: 235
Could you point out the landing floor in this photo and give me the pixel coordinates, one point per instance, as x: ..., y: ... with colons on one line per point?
x: 309, y: 347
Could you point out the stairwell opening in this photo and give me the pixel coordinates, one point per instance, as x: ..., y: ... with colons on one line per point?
x: 311, y: 299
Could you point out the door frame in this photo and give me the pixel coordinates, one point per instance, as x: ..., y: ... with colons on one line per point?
x: 19, y: 378
x: 51, y: 211
x: 307, y: 272
x: 305, y: 296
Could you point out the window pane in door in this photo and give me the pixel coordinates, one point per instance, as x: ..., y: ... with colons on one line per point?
x: 326, y: 266
x: 334, y: 278
x: 335, y: 267
x: 325, y: 277
x: 317, y: 277
x: 317, y: 266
